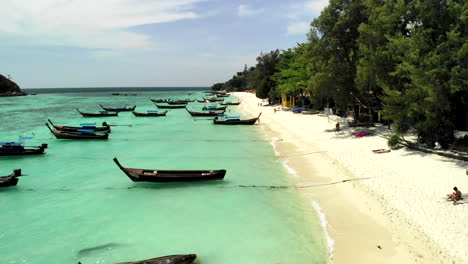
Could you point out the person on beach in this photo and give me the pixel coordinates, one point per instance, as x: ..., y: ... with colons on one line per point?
x: 337, y: 126
x: 455, y: 196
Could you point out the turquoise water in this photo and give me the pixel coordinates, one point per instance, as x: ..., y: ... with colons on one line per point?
x: 75, y: 198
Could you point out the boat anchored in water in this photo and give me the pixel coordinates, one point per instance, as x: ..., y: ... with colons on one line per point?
x: 150, y: 113
x: 118, y: 108
x: 80, y: 134
x: 10, y: 180
x: 152, y: 175
x: 235, y: 120
x: 17, y: 149
x: 100, y: 114
x: 90, y: 126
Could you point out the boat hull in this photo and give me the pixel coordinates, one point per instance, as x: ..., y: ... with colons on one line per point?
x: 76, y: 135
x: 149, y: 114
x: 8, y: 181
x: 113, y: 109
x: 76, y: 129
x: 241, y: 122
x: 170, y: 106
x: 172, y: 259
x: 165, y: 176
x: 98, y: 114
x: 23, y: 152
x: 204, y: 113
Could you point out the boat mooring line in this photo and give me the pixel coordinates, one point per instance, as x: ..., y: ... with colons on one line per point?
x: 217, y: 187
x: 303, y: 154
x: 330, y: 183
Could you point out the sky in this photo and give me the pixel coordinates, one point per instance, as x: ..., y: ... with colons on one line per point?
x: 144, y: 43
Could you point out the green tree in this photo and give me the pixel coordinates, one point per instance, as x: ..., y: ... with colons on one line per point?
x: 293, y: 72
x: 336, y: 52
x: 433, y: 63
x: 260, y: 78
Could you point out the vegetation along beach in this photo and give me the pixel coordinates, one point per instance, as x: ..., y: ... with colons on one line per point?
x: 178, y: 132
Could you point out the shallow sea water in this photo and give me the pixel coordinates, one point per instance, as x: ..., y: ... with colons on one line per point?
x: 74, y: 198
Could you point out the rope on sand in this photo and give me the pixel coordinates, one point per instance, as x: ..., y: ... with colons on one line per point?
x: 303, y: 154
x: 331, y: 183
x: 293, y: 186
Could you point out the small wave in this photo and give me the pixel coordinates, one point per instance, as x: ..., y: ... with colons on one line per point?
x: 290, y: 170
x: 272, y: 142
x: 324, y: 224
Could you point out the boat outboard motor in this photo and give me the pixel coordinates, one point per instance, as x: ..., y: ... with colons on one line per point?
x: 44, y: 146
x: 105, y: 124
x: 17, y: 172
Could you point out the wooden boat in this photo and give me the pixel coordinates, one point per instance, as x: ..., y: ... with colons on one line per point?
x: 213, y: 99
x: 150, y: 113
x: 173, y: 259
x: 231, y: 103
x: 210, y: 113
x: 178, y: 102
x: 10, y: 180
x: 119, y: 108
x: 236, y: 121
x: 150, y: 175
x: 158, y: 100
x: 82, y: 134
x: 216, y: 108
x: 101, y: 113
x: 169, y: 106
x: 17, y: 149
x: 91, y: 126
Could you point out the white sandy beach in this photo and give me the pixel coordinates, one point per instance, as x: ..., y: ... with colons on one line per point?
x: 392, y: 210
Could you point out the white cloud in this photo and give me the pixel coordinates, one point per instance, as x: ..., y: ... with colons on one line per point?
x: 298, y: 28
x: 98, y: 24
x: 316, y: 6
x: 301, y: 14
x: 246, y: 10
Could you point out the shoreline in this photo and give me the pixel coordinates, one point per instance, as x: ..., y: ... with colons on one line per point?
x: 369, y: 218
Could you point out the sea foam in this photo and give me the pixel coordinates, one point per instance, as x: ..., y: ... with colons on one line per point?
x: 324, y: 223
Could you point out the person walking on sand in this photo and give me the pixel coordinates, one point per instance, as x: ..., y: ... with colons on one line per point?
x: 455, y: 196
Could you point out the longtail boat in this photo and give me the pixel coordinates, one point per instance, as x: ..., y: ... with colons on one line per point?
x: 214, y: 107
x: 101, y: 113
x: 150, y: 113
x: 119, y: 108
x: 210, y: 113
x: 81, y: 134
x: 17, y: 149
x: 231, y: 103
x: 213, y: 99
x: 173, y: 259
x: 169, y: 106
x: 235, y: 120
x: 91, y: 126
x: 158, y: 100
x: 178, y: 102
x: 10, y: 180
x: 151, y: 175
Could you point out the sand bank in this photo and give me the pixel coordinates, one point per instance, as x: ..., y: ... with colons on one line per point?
x: 390, y: 209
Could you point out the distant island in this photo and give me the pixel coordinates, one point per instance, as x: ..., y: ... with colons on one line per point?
x: 9, y: 88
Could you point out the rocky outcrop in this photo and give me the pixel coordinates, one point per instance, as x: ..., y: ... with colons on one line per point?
x: 9, y: 88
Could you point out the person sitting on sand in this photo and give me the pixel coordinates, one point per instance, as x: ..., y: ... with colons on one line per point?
x: 455, y: 196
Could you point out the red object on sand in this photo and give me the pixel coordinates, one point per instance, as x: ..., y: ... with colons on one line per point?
x: 361, y: 134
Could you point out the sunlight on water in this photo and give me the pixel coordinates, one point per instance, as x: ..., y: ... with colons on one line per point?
x: 76, y: 205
